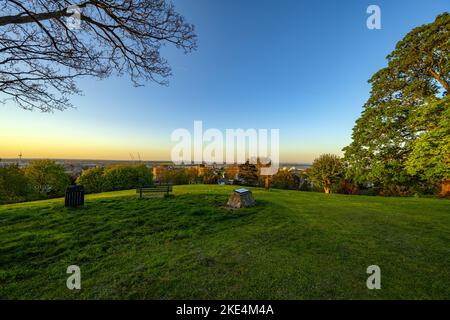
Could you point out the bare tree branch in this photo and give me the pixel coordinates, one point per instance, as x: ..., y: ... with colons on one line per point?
x: 41, y: 55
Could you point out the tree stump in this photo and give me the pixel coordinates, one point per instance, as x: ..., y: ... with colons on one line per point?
x: 241, y: 198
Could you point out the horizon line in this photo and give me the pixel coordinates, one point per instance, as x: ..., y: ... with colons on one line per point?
x: 130, y: 160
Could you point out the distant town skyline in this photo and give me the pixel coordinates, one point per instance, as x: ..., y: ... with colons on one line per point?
x: 301, y: 67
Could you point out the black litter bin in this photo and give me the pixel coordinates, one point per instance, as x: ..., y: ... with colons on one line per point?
x: 74, y: 196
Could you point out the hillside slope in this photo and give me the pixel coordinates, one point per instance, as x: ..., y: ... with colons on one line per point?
x: 292, y: 245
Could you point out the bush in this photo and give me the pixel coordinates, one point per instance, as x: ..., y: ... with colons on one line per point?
x: 14, y: 185
x: 326, y: 171
x: 304, y: 181
x: 115, y: 177
x: 347, y: 187
x: 175, y: 177
x: 396, y: 191
x: 248, y: 174
x: 142, y: 175
x: 92, y: 180
x: 48, y: 178
x: 123, y: 177
x: 367, y: 192
x: 210, y: 176
x: 193, y: 175
x: 285, y: 179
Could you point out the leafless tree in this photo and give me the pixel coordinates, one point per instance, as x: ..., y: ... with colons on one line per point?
x: 42, y: 51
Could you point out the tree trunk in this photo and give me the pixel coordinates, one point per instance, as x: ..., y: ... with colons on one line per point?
x: 445, y: 188
x: 267, y: 184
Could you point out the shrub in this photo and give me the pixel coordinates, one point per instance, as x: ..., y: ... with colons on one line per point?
x: 142, y: 175
x: 347, y: 187
x: 248, y: 174
x: 92, y: 180
x: 210, y: 176
x: 175, y: 177
x: 305, y: 181
x: 326, y: 171
x: 47, y: 177
x: 285, y: 179
x: 123, y: 177
x: 396, y: 191
x: 14, y: 185
x: 193, y: 175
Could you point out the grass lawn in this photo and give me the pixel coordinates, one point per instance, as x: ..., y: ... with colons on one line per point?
x: 292, y: 245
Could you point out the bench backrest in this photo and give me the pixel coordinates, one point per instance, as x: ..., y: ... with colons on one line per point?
x: 155, y: 188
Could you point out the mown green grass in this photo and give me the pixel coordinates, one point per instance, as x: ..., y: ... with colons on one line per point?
x: 292, y: 245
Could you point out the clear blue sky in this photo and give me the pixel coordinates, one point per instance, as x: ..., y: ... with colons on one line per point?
x: 300, y: 66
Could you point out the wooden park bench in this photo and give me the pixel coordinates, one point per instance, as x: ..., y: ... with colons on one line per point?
x: 155, y: 189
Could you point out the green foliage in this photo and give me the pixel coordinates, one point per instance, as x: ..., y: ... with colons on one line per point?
x: 14, y: 185
x: 305, y: 181
x: 189, y: 176
x: 122, y: 177
x: 326, y: 171
x: 193, y: 175
x: 47, y: 177
x: 248, y: 173
x: 346, y: 187
x: 418, y: 67
x: 210, y: 176
x: 142, y: 175
x: 115, y: 177
x: 394, y: 146
x: 175, y: 176
x: 430, y: 154
x: 92, y: 180
x: 309, y: 245
x: 285, y: 179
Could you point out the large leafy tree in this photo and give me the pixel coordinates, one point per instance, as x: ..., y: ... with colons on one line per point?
x: 326, y: 171
x: 416, y: 78
x: 430, y: 154
x: 43, y: 52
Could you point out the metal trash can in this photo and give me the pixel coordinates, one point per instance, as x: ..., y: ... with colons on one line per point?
x: 74, y: 196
